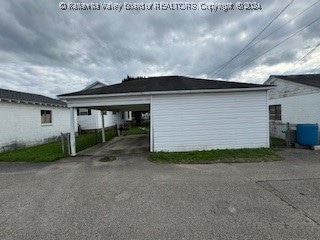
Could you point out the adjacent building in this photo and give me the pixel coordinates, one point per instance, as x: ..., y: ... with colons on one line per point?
x: 29, y: 119
x: 294, y: 100
x: 91, y: 119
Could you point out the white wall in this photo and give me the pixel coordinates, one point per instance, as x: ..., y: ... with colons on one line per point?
x: 288, y: 89
x: 297, y: 110
x: 210, y: 121
x: 299, y: 104
x: 20, y: 124
x: 93, y: 121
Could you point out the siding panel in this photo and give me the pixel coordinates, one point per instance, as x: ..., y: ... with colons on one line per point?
x: 210, y: 121
x: 20, y: 124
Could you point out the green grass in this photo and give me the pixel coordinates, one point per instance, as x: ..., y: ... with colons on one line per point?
x: 52, y: 151
x: 137, y: 130
x: 277, y: 143
x: 216, y: 156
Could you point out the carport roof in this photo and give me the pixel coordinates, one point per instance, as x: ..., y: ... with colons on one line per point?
x: 164, y: 83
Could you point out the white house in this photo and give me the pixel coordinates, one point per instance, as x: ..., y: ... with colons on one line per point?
x: 187, y: 113
x: 90, y: 119
x: 294, y: 100
x: 28, y: 119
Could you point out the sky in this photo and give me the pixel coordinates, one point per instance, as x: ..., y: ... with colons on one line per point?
x: 48, y: 50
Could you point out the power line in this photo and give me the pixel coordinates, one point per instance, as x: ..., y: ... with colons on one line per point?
x: 303, y: 58
x: 286, y: 39
x: 316, y: 67
x: 225, y: 64
x: 282, y: 25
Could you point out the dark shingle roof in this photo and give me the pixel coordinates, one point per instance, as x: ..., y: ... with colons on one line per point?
x: 165, y: 83
x: 306, y: 79
x: 28, y: 97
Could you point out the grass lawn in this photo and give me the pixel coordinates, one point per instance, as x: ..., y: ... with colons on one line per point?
x: 52, y: 151
x: 217, y: 156
x: 138, y: 130
x: 277, y: 143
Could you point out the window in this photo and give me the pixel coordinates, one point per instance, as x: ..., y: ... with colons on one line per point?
x: 114, y: 112
x: 275, y: 112
x: 83, y: 111
x: 105, y: 112
x: 46, y: 116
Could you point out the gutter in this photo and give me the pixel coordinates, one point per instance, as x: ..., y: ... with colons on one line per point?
x: 31, y: 102
x: 266, y: 88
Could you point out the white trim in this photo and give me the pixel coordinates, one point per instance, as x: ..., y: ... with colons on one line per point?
x: 46, y: 124
x: 102, y: 127
x: 151, y: 125
x: 118, y: 124
x: 268, y: 122
x: 72, y: 134
x: 28, y: 102
x: 138, y: 100
x: 168, y: 92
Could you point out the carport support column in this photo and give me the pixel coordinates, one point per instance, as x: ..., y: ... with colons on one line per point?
x: 118, y: 124
x: 151, y: 126
x: 72, y: 133
x: 102, y: 128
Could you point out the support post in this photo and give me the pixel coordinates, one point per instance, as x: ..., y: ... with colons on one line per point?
x: 102, y: 128
x: 72, y: 133
x: 118, y: 124
x: 151, y: 126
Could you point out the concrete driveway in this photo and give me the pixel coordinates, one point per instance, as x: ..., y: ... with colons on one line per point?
x: 132, y: 198
x: 119, y: 146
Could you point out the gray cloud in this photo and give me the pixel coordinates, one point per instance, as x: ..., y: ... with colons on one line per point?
x: 46, y: 50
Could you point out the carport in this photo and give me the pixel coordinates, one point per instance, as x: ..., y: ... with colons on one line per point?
x: 107, y: 103
x: 185, y: 113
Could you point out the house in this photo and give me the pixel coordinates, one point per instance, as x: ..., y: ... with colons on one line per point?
x: 90, y: 119
x: 28, y: 119
x: 187, y: 113
x: 294, y: 100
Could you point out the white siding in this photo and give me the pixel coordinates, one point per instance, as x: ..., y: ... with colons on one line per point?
x: 299, y: 104
x: 288, y: 89
x: 297, y: 109
x: 94, y: 121
x: 20, y: 124
x: 210, y: 121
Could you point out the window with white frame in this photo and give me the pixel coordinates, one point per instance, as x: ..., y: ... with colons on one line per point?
x: 275, y: 112
x: 46, y: 116
x: 83, y: 111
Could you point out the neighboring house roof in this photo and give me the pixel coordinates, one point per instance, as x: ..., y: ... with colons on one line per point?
x: 306, y: 79
x: 96, y: 84
x: 14, y: 96
x: 165, y: 83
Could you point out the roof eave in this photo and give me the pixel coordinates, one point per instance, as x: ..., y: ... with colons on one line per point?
x: 31, y: 102
x: 264, y: 88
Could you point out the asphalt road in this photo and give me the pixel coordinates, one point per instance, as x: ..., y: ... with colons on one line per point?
x: 132, y: 198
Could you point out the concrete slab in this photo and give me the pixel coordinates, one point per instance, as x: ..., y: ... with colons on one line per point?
x: 301, y: 194
x: 132, y: 198
x: 130, y: 144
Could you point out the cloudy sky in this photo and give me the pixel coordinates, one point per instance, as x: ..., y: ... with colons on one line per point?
x: 50, y: 51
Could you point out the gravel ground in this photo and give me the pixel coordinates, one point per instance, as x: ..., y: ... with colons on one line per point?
x: 132, y: 198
